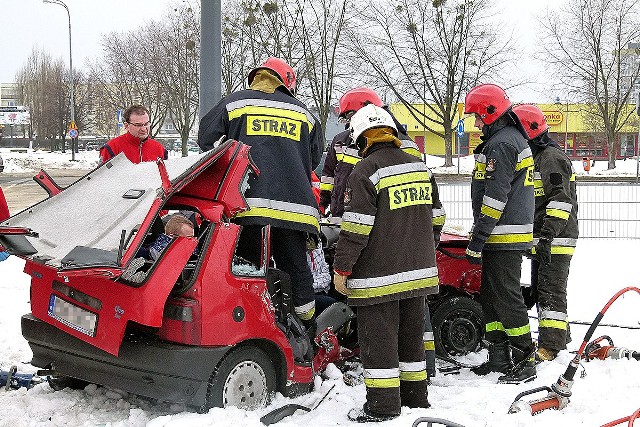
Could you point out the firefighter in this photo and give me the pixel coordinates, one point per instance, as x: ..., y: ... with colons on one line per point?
x: 389, y: 197
x: 503, y: 205
x: 342, y: 155
x: 555, y: 231
x: 286, y: 145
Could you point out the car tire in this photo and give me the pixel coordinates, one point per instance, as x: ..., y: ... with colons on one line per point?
x: 458, y: 326
x: 246, y: 378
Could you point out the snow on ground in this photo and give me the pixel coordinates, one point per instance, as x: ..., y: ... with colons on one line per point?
x: 34, y: 160
x: 609, y: 391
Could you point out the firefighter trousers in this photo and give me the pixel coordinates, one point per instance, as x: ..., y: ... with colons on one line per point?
x: 289, y: 252
x: 551, y: 284
x: 505, y: 313
x: 392, y: 353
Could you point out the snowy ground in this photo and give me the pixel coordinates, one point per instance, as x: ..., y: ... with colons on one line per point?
x: 33, y: 161
x: 608, y: 392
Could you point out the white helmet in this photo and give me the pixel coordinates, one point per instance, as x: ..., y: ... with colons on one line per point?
x: 369, y: 117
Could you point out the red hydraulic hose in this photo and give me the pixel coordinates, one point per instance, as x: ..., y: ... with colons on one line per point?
x: 631, y: 418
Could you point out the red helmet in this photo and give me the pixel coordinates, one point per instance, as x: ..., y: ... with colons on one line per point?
x: 356, y: 98
x: 488, y: 101
x: 532, y: 119
x: 283, y: 70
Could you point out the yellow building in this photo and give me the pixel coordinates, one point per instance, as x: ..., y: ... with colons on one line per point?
x: 567, y: 122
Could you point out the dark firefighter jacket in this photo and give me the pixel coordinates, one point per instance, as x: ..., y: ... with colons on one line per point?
x: 384, y: 246
x: 342, y: 155
x: 286, y: 144
x: 502, y: 188
x: 554, y: 182
x: 136, y: 151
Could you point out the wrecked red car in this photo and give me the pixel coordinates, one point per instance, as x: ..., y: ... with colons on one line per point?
x: 200, y: 325
x: 201, y: 328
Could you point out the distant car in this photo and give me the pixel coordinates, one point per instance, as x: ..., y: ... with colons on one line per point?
x: 1, y: 165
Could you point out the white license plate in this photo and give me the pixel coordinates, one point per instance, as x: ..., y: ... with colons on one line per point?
x: 73, y: 316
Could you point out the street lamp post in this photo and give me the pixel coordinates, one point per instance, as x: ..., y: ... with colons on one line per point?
x: 71, y: 80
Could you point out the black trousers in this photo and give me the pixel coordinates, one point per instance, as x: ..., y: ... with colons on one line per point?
x: 289, y: 252
x: 392, y: 354
x: 503, y: 306
x: 551, y: 284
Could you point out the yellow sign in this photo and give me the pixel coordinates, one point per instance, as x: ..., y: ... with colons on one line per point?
x: 274, y: 126
x: 417, y: 193
x: 553, y: 117
x: 73, y: 126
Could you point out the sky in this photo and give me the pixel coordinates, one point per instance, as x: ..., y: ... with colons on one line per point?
x: 29, y: 23
x: 608, y: 392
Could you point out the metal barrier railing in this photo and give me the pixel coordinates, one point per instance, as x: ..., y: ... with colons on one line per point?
x: 605, y: 209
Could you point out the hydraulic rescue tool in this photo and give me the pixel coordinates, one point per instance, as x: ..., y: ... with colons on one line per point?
x: 558, y: 394
x: 594, y: 350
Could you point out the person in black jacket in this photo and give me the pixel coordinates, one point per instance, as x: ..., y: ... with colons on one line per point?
x: 389, y: 201
x: 286, y: 145
x: 555, y: 232
x: 502, y: 204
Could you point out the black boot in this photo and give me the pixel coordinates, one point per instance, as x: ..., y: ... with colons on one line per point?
x: 524, y: 368
x: 364, y: 415
x: 499, y: 360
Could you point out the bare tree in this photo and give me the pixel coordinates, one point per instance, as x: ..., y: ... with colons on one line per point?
x: 321, y: 31
x: 45, y: 90
x: 430, y: 53
x: 597, y: 56
x: 128, y: 75
x: 177, y: 63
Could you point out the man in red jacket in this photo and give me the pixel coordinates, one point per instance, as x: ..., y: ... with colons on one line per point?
x: 135, y: 143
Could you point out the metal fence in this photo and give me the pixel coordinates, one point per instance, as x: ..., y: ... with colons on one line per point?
x: 605, y: 209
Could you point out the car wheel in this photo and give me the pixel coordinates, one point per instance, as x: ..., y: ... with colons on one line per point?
x: 458, y: 327
x: 245, y: 379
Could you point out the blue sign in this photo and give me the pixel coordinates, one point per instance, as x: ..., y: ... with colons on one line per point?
x: 73, y: 133
x: 460, y: 128
x: 120, y: 114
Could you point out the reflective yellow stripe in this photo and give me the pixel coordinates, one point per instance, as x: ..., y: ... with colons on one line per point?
x: 493, y: 326
x: 516, y: 332
x: 438, y: 220
x: 356, y: 228
x: 429, y: 346
x: 413, y: 376
x: 394, y: 289
x: 555, y: 324
x: 404, y: 178
x: 345, y: 158
x: 524, y: 163
x: 490, y: 212
x: 382, y: 382
x: 413, y: 152
x: 562, y: 250
x: 510, y: 238
x: 557, y: 213
x: 270, y: 111
x: 573, y: 177
x: 281, y: 215
x: 326, y: 187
